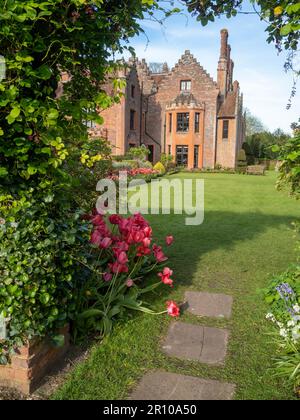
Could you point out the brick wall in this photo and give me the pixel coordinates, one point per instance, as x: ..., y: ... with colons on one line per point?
x: 31, y: 363
x: 155, y: 92
x: 203, y: 88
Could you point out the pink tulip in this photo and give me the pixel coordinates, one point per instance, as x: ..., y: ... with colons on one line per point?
x: 122, y: 258
x: 129, y: 283
x: 96, y: 237
x: 105, y: 243
x: 169, y: 240
x: 107, y: 277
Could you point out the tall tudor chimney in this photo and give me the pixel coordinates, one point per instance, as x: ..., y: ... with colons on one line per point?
x: 223, y: 63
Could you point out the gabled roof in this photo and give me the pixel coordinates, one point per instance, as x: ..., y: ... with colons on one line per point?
x: 228, y: 107
x: 186, y: 59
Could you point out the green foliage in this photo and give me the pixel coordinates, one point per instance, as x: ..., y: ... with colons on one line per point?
x: 289, y: 170
x: 145, y: 164
x: 160, y: 168
x: 44, y: 146
x: 273, y: 298
x: 167, y: 161
x: 283, y: 297
x: 283, y: 17
x: 260, y: 145
x: 88, y: 164
x: 253, y: 124
x: 138, y: 153
x: 287, y: 366
x: 37, y: 268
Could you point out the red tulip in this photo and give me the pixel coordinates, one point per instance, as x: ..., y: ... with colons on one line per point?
x: 98, y: 220
x: 115, y: 219
x: 173, y: 309
x: 166, y: 276
x: 148, y: 231
x: 169, y: 240
x: 138, y: 237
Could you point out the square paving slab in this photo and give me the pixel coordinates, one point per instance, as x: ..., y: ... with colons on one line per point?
x: 170, y: 386
x: 209, y: 304
x: 195, y: 342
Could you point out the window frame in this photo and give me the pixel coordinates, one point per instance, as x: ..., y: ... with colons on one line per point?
x: 184, y: 125
x: 197, y: 122
x: 196, y: 156
x: 182, y: 157
x: 225, y: 130
x: 185, y: 85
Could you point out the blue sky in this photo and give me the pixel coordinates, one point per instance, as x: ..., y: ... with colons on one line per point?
x: 258, y: 67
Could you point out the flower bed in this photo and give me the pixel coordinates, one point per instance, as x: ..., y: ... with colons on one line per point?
x: 144, y: 173
x: 283, y: 296
x: 122, y: 258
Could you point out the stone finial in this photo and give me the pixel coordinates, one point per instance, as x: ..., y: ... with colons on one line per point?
x: 236, y: 86
x: 165, y: 68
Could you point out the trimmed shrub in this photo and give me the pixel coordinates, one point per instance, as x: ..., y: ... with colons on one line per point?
x: 242, y: 162
x: 160, y: 168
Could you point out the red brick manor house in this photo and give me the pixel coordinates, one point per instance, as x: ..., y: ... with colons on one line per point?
x: 182, y: 112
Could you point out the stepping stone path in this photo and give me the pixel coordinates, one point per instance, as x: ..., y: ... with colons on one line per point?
x: 209, y: 304
x: 192, y: 342
x: 170, y: 386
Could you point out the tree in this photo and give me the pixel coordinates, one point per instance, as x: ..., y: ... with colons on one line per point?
x: 253, y: 124
x: 260, y: 145
x: 289, y: 171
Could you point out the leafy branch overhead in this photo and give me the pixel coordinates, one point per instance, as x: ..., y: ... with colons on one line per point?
x: 282, y: 17
x: 43, y: 135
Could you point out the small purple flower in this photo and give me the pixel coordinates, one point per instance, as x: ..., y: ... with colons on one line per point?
x: 285, y: 291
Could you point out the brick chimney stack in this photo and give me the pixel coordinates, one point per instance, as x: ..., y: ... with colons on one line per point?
x: 224, y: 63
x: 224, y: 43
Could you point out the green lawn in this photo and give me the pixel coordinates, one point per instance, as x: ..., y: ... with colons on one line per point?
x: 245, y: 239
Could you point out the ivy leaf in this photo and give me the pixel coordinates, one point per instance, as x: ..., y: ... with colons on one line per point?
x: 31, y: 170
x: 44, y: 72
x: 52, y: 114
x: 3, y: 172
x: 286, y: 29
x: 44, y: 298
x: 15, y: 112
